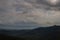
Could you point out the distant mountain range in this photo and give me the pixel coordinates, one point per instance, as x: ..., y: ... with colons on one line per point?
x: 52, y: 32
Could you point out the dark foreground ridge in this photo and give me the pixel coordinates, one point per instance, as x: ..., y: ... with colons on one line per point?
x: 47, y: 33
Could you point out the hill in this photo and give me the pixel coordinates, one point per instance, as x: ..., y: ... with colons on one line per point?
x: 41, y: 33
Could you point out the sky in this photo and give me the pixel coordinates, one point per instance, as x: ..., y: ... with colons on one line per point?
x: 27, y: 14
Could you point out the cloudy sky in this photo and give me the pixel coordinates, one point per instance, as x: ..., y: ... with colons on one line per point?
x: 27, y: 14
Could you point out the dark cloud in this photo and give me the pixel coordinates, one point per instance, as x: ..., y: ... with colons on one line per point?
x: 34, y: 11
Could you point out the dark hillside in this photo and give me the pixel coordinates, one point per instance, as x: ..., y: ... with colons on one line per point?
x: 47, y: 33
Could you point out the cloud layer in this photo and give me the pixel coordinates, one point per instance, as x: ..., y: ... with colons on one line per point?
x: 14, y: 12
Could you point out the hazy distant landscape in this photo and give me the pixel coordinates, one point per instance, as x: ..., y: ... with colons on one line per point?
x: 41, y: 33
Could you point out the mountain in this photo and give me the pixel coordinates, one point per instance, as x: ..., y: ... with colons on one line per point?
x: 41, y: 33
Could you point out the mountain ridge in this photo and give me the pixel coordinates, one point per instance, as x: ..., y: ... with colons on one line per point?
x: 41, y: 33
x: 40, y: 30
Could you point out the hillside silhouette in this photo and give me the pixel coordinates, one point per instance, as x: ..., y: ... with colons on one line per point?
x: 41, y: 33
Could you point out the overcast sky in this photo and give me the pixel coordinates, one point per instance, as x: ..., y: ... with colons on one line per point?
x: 20, y: 14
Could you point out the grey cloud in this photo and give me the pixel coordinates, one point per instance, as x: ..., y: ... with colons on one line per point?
x: 27, y: 11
